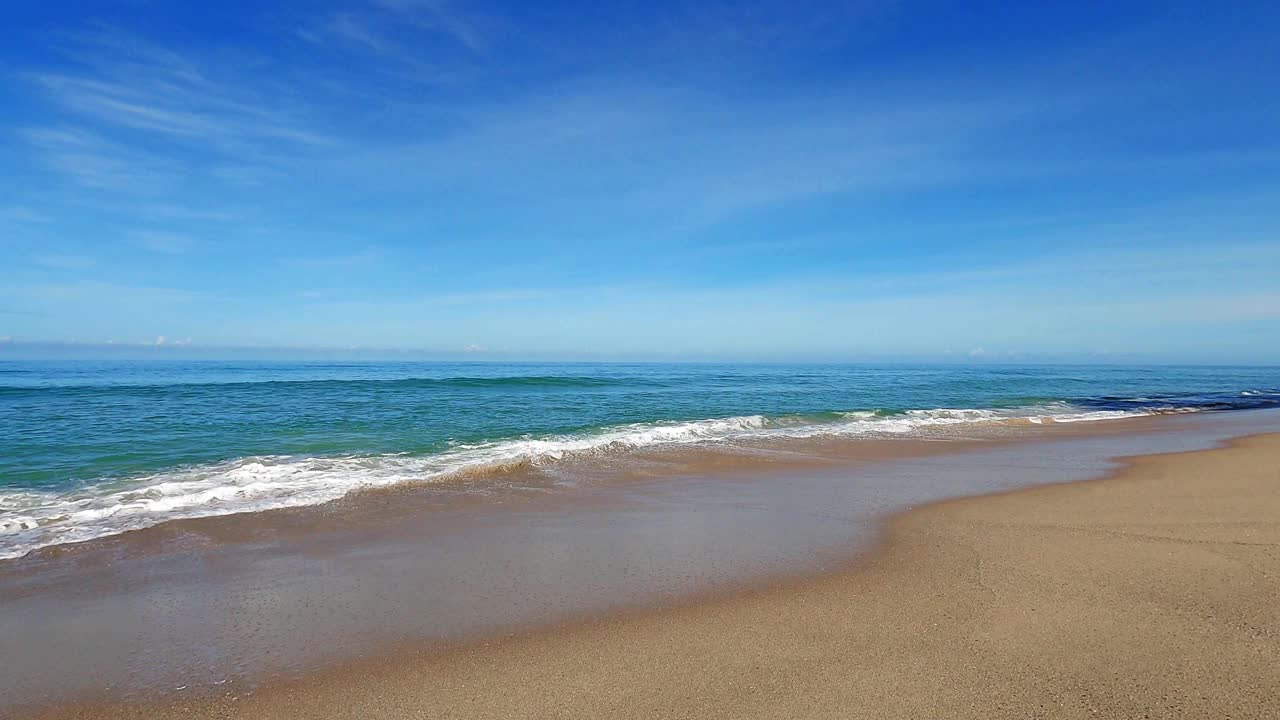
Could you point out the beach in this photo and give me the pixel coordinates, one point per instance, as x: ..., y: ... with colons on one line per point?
x: 1150, y: 593
x: 430, y: 359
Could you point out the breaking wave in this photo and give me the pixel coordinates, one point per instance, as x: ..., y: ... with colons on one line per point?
x: 31, y: 519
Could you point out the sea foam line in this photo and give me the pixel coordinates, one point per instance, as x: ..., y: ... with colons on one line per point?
x: 32, y: 519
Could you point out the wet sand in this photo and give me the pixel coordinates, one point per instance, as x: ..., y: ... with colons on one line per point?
x: 1148, y: 594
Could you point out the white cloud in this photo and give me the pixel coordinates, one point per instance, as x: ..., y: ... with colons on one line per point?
x: 474, y: 348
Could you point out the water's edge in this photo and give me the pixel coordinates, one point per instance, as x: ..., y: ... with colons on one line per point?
x: 239, y: 599
x: 97, y: 449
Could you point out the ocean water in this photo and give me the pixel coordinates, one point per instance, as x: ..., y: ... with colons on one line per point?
x: 89, y: 449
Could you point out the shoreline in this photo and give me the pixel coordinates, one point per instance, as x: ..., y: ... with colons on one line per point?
x: 93, y: 507
x: 718, y: 685
x: 432, y: 656
x: 799, y: 454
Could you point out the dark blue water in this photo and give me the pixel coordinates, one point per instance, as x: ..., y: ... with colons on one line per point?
x: 92, y: 448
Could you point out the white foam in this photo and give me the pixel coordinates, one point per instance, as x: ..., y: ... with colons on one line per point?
x: 32, y: 519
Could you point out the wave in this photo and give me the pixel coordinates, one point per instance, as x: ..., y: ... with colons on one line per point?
x: 514, y: 382
x: 1251, y: 399
x: 31, y: 519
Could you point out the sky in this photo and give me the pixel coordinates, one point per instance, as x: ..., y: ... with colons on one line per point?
x: 706, y: 180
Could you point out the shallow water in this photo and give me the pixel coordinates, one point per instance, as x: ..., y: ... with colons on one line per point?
x: 202, y: 603
x: 91, y: 449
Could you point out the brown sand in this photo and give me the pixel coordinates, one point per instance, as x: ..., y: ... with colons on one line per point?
x: 1155, y: 593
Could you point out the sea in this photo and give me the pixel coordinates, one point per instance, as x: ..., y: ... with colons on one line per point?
x: 90, y: 449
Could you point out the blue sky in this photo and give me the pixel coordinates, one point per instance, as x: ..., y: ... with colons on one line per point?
x: 777, y: 180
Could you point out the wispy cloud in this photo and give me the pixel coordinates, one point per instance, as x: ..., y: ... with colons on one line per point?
x: 188, y: 212
x: 490, y: 296
x: 161, y: 241
x: 366, y: 257
x: 352, y: 29
x: 93, y: 161
x: 90, y: 292
x: 440, y: 16
x: 394, y: 29
x: 65, y: 262
x: 678, y: 162
x: 123, y: 81
x: 130, y: 116
x: 724, y: 29
x: 24, y: 214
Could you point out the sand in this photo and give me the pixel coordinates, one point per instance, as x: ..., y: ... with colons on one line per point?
x: 1153, y: 593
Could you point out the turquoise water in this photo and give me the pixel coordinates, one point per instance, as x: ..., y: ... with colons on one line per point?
x: 89, y: 449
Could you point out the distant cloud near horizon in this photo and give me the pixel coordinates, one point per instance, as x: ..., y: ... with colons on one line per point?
x: 731, y: 180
